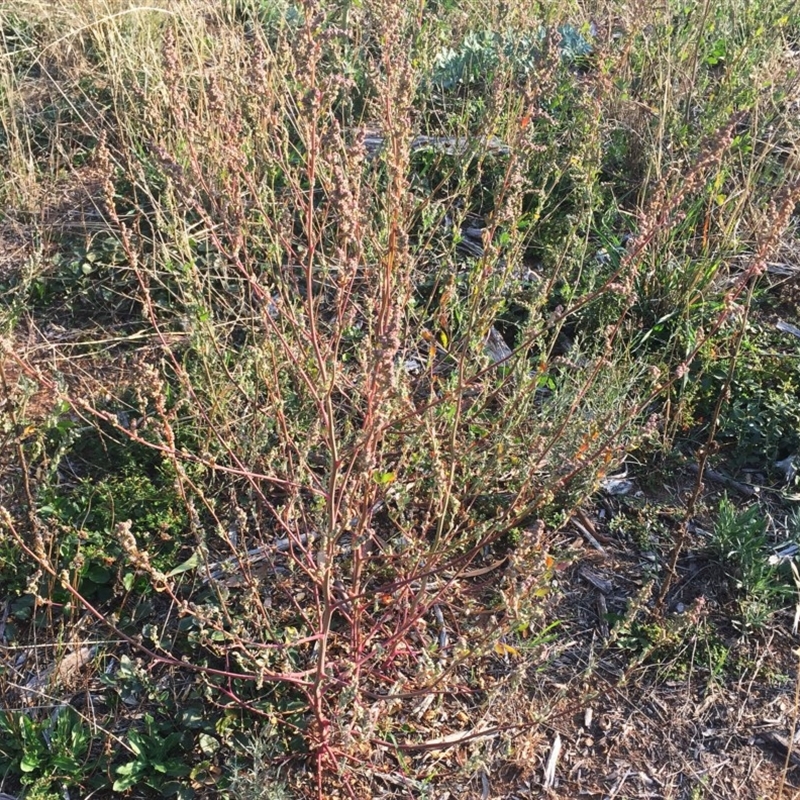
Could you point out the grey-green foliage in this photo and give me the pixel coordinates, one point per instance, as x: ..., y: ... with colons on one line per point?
x: 270, y: 15
x: 481, y: 52
x: 740, y: 539
x: 254, y: 778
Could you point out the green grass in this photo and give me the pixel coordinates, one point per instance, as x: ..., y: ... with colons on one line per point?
x: 257, y: 451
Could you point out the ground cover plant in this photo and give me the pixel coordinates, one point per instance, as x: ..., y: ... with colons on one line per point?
x: 399, y: 399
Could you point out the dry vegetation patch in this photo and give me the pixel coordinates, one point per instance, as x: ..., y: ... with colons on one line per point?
x: 399, y: 400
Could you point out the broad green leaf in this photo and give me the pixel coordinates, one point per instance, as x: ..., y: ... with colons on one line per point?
x: 29, y: 762
x: 194, y: 561
x: 136, y: 742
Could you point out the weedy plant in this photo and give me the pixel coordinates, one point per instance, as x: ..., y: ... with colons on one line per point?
x: 48, y: 754
x: 379, y: 321
x: 762, y: 582
x: 253, y: 776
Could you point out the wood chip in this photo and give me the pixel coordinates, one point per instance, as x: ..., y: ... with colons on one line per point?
x: 62, y: 673
x: 552, y: 761
x: 598, y: 581
x: 588, y: 536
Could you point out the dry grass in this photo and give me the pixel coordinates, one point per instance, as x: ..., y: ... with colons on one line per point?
x: 328, y: 329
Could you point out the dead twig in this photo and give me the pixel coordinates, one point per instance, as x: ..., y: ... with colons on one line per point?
x: 718, y: 477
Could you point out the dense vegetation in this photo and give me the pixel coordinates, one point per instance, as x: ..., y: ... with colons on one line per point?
x: 350, y: 349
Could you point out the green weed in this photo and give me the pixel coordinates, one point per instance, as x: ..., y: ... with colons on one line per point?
x: 740, y: 539
x: 49, y: 756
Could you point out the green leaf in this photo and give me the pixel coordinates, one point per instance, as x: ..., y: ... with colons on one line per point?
x: 136, y: 742
x: 208, y: 744
x: 125, y: 783
x: 29, y: 762
x: 126, y: 769
x: 191, y: 717
x: 194, y: 561
x: 66, y: 764
x: 98, y: 574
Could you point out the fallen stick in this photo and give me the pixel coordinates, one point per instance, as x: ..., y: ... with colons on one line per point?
x: 718, y: 477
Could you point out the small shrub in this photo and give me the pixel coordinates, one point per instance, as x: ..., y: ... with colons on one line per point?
x: 49, y: 756
x: 740, y: 539
x: 253, y: 776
